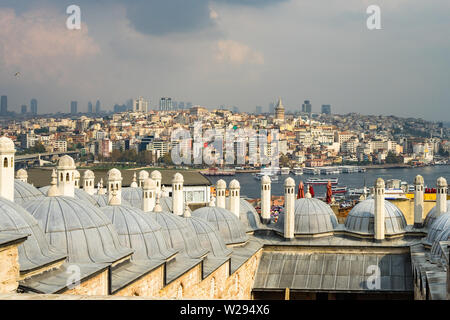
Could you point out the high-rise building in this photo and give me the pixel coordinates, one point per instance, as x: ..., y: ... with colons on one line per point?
x: 4, y: 105
x: 90, y: 107
x: 73, y: 107
x: 23, y: 109
x: 306, y: 107
x: 258, y: 110
x: 165, y: 104
x: 97, y: 107
x: 140, y: 105
x: 181, y: 105
x: 326, y: 109
x: 33, y: 106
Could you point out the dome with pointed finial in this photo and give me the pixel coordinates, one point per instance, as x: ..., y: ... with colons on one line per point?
x: 134, y: 182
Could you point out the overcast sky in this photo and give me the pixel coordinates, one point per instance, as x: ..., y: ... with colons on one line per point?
x: 230, y: 52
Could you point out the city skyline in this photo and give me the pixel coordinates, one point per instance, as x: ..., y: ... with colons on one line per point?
x: 225, y: 53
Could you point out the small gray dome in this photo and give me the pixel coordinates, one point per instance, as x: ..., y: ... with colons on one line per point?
x: 361, y: 219
x: 431, y: 216
x: 101, y: 200
x: 79, y: 229
x: 166, y: 204
x: 78, y: 194
x: 248, y: 215
x: 440, y: 229
x: 209, y: 237
x: 35, y: 251
x: 180, y: 235
x: 24, y: 192
x: 139, y: 231
x: 133, y: 196
x: 312, y: 216
x: 230, y: 227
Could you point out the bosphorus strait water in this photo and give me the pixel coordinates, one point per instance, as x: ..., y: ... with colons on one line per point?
x: 250, y: 187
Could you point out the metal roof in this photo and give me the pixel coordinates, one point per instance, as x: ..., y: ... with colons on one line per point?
x: 333, y: 271
x: 229, y: 226
x: 78, y: 194
x: 361, y: 219
x: 139, y: 231
x: 129, y: 272
x: 79, y: 229
x: 36, y: 251
x: 440, y: 229
x: 248, y: 215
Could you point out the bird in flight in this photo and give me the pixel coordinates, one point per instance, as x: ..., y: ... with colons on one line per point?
x: 17, y: 74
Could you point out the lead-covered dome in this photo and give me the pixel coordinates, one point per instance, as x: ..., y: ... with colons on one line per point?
x: 66, y: 163
x: 133, y: 196
x: 36, y: 250
x: 312, y: 217
x: 24, y: 192
x: 78, y: 194
x: 361, y: 219
x: 440, y: 229
x: 209, y: 237
x: 229, y: 226
x: 140, y: 232
x: 79, y: 229
x: 431, y: 216
x: 248, y: 215
x: 180, y: 235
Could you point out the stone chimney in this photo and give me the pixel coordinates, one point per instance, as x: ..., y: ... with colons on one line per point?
x: 289, y: 208
x: 143, y: 175
x: 22, y: 175
x: 265, y: 199
x: 114, y: 183
x: 441, y: 196
x: 221, y: 187
x: 148, y: 195
x: 379, y: 209
x: 157, y: 177
x: 88, y: 182
x: 235, y: 190
x: 418, y: 201
x: 177, y: 194
x: 66, y: 176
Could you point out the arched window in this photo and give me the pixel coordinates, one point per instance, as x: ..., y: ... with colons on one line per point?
x: 5, y: 163
x: 61, y: 177
x: 67, y: 177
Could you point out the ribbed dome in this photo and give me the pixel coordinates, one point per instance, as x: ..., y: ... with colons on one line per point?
x: 88, y: 174
x: 114, y: 174
x: 431, y: 216
x: 440, y: 229
x: 156, y: 175
x: 78, y: 194
x: 66, y: 162
x: 248, y: 215
x: 180, y: 235
x: 209, y: 237
x: 24, y: 192
x: 312, y: 216
x: 35, y: 251
x: 265, y: 179
x: 361, y: 219
x: 140, y: 232
x: 133, y: 196
x: 79, y: 229
x: 143, y: 174
x: 6, y: 145
x: 230, y: 227
x: 21, y: 174
x: 177, y: 178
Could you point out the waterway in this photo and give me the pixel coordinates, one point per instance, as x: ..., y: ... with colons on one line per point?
x: 250, y: 187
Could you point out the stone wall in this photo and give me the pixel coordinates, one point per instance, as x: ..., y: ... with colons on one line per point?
x: 95, y: 286
x: 407, y: 208
x: 9, y: 269
x: 184, y: 286
x: 147, y: 286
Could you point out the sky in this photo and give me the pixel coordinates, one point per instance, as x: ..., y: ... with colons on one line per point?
x: 240, y: 53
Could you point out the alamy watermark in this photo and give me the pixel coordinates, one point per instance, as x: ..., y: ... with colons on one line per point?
x: 73, y: 22
x: 225, y: 146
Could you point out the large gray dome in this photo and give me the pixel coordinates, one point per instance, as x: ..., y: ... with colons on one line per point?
x: 361, y: 219
x: 35, y: 251
x: 139, y: 231
x: 431, y: 216
x: 209, y: 237
x: 312, y: 217
x: 79, y: 229
x: 24, y: 192
x: 440, y: 229
x: 179, y: 234
x: 248, y: 215
x: 230, y: 227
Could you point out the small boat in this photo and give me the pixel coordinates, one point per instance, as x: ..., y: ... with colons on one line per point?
x: 298, y: 171
x: 336, y: 190
x: 285, y: 170
x: 319, y: 181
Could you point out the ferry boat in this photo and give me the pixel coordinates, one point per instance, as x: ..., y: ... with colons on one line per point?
x: 394, y: 194
x: 337, y: 190
x: 259, y: 175
x: 298, y: 171
x: 313, y: 171
x: 322, y: 181
x: 285, y: 170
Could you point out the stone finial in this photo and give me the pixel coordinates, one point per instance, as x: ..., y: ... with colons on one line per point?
x: 53, y: 190
x: 114, y: 201
x: 101, y: 190
x: 212, y: 202
x: 134, y: 182
x: 187, y: 213
x: 158, y: 207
